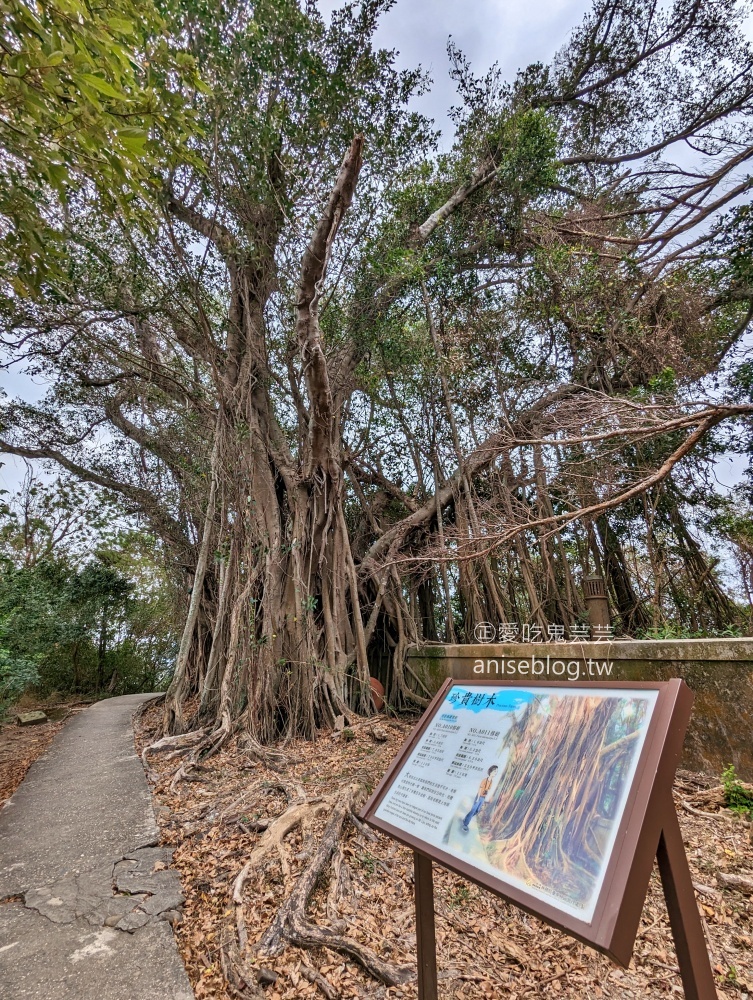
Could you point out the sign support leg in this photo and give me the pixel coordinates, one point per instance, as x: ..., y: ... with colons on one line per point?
x: 426, y: 942
x: 690, y: 943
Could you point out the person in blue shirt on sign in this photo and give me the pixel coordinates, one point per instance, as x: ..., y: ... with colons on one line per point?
x: 483, y: 790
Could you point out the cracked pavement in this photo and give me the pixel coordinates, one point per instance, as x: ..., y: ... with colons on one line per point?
x: 87, y: 897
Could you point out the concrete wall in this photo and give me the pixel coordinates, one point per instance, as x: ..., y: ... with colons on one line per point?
x: 719, y: 671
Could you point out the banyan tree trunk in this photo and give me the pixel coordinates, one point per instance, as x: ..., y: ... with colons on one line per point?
x: 632, y: 610
x: 288, y: 646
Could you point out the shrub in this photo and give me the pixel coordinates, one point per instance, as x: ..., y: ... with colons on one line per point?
x: 736, y: 796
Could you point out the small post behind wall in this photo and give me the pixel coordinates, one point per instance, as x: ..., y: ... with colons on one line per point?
x: 597, y: 602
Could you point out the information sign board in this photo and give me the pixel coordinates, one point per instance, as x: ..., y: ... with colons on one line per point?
x: 556, y: 797
x: 527, y: 785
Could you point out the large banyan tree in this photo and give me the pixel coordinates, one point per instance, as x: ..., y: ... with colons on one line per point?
x: 363, y: 393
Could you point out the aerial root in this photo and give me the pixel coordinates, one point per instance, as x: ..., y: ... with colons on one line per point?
x: 199, y: 744
x: 726, y: 818
x: 340, y: 886
x: 318, y: 979
x: 269, y: 757
x: 241, y: 978
x: 271, y: 839
x: 206, y: 746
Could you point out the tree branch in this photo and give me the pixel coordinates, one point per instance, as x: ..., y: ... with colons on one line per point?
x: 485, y: 172
x: 211, y: 229
x: 313, y: 270
x: 144, y: 499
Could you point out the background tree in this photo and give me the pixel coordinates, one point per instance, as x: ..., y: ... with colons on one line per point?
x: 84, y: 608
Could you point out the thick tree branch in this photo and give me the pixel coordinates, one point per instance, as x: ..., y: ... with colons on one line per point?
x: 385, y: 547
x: 482, y: 175
x: 143, y: 499
x: 210, y: 229
x: 313, y: 270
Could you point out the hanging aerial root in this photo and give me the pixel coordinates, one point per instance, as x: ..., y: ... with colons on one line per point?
x: 291, y: 925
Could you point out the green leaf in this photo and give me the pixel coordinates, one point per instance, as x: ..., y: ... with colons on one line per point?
x: 132, y: 143
x: 103, y: 86
x: 120, y: 25
x: 58, y: 175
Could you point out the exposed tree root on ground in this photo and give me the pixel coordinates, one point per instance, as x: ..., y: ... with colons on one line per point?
x: 318, y: 979
x: 289, y: 898
x: 174, y: 746
x: 291, y: 925
x: 271, y: 757
x: 198, y: 744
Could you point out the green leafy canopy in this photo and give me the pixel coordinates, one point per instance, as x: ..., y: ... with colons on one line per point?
x: 92, y: 105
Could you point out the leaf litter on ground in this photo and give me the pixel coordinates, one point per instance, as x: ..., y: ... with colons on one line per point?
x: 485, y: 947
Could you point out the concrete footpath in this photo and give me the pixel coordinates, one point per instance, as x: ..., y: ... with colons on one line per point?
x: 78, y: 845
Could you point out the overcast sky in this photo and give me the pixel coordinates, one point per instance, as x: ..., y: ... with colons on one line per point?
x: 508, y: 32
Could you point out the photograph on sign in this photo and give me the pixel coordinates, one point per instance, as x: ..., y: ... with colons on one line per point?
x: 527, y: 784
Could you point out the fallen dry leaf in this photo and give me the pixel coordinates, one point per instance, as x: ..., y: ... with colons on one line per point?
x: 486, y: 947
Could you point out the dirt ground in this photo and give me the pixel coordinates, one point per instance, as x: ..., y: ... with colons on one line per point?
x: 21, y: 745
x: 221, y: 825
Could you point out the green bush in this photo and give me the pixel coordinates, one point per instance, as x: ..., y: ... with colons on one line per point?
x: 736, y: 796
x: 16, y: 675
x: 79, y: 631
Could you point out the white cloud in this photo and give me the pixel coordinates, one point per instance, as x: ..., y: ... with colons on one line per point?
x: 511, y: 33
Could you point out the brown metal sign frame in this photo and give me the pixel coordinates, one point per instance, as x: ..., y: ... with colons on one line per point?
x: 648, y: 829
